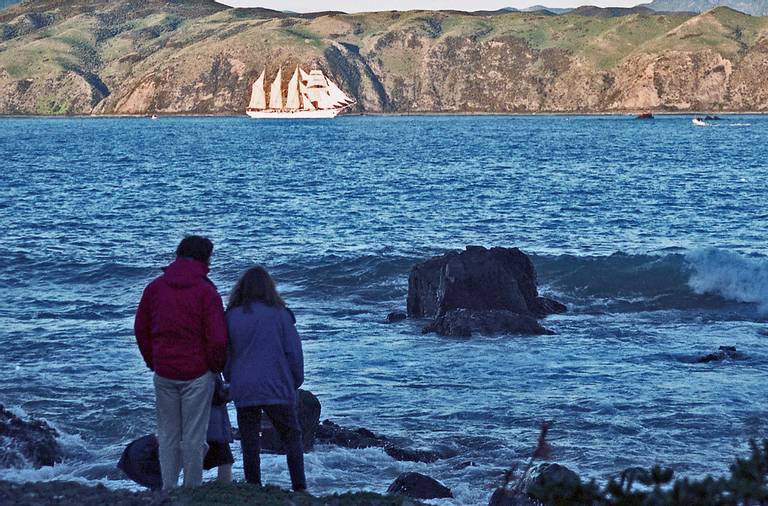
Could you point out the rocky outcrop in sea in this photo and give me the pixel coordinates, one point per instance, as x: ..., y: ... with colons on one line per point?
x: 479, y: 290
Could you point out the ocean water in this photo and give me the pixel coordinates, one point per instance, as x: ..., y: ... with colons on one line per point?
x: 654, y: 233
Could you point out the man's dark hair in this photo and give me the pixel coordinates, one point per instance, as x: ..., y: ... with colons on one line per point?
x: 196, y: 247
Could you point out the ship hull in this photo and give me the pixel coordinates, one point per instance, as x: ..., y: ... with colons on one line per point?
x: 319, y: 114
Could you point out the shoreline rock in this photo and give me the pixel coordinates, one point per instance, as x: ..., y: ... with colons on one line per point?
x: 541, y: 475
x: 309, y: 418
x: 332, y: 433
x: 27, y: 442
x: 419, y: 486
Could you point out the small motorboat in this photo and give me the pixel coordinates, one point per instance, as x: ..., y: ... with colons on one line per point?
x: 153, y: 117
x: 645, y: 115
x: 698, y: 122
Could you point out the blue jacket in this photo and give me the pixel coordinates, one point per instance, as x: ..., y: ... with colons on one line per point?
x: 265, y: 364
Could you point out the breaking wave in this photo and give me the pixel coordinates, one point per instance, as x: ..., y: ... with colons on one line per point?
x: 703, y: 279
x: 730, y: 275
x: 699, y: 279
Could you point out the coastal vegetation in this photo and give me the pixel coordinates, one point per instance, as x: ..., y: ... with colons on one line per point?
x: 556, y: 485
x: 200, y: 57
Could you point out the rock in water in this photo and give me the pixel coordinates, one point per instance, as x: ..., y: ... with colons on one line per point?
x: 723, y: 353
x: 496, y: 286
x: 462, y: 323
x: 330, y: 432
x: 309, y: 417
x: 396, y: 316
x: 418, y: 486
x: 24, y: 443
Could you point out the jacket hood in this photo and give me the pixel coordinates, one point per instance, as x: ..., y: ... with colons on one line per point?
x: 184, y: 272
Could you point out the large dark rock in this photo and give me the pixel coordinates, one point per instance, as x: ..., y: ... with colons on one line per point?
x: 24, y: 443
x: 463, y: 322
x: 309, y: 417
x: 540, y: 478
x: 419, y: 486
x: 330, y: 432
x: 492, y: 283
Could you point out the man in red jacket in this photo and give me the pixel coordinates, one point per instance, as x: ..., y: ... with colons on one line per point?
x: 182, y: 335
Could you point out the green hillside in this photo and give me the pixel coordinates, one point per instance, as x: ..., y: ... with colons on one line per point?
x: 146, y: 56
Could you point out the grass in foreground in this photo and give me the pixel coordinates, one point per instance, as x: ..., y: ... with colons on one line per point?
x: 68, y: 493
x: 243, y: 493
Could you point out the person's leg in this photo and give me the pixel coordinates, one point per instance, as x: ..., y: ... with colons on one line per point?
x: 249, y: 422
x: 224, y: 473
x: 220, y: 456
x: 168, y: 408
x: 195, y: 413
x: 286, y: 422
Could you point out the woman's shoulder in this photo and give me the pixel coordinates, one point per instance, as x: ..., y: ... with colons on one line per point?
x: 261, y: 309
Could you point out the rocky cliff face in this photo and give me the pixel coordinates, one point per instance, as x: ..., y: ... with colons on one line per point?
x: 162, y: 56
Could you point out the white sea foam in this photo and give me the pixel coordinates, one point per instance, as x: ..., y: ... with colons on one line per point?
x: 730, y: 275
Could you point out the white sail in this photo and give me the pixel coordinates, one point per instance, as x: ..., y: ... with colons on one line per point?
x: 304, y: 76
x: 306, y: 103
x: 258, y: 99
x: 317, y: 90
x: 276, y: 92
x: 339, y: 96
x: 292, y: 101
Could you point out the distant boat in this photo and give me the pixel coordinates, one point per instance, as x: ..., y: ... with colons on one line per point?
x: 698, y: 122
x: 645, y: 115
x: 153, y: 117
x: 308, y: 96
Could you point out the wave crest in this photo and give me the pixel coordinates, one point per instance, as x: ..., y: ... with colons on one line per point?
x: 730, y: 275
x: 708, y: 279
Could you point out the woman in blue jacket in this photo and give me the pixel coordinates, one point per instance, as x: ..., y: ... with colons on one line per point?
x: 265, y: 368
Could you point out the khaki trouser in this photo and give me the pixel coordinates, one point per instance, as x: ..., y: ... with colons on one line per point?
x: 183, y: 410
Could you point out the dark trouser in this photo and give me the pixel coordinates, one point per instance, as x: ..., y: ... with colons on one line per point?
x: 286, y: 422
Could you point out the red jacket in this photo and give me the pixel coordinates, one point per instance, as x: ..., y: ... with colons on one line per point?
x: 180, y: 326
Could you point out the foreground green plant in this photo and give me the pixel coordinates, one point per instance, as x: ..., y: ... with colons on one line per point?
x: 747, y: 485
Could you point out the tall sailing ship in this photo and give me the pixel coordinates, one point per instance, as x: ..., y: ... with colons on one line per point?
x: 308, y: 96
